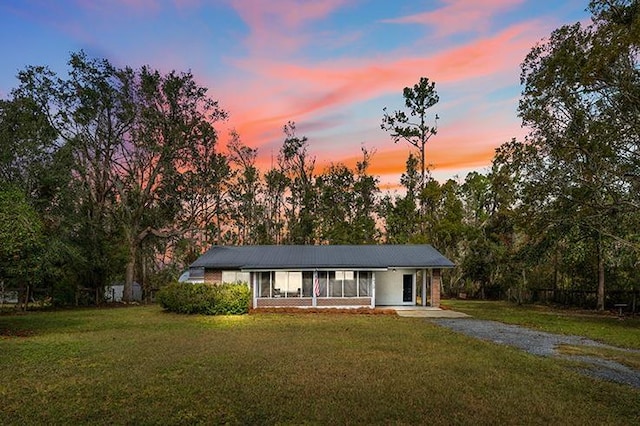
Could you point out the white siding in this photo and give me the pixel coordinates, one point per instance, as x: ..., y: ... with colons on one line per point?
x: 235, y: 277
x: 389, y: 287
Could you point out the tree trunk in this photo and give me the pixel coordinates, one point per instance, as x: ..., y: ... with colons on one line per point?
x: 127, y: 293
x: 555, y: 269
x: 600, y: 293
x: 26, y: 299
x: 422, y: 185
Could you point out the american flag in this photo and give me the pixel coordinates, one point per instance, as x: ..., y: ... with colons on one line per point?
x: 316, y: 286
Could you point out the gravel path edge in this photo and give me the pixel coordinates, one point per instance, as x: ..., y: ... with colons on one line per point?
x: 544, y: 344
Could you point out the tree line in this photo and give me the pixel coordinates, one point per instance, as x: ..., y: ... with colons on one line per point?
x: 117, y: 174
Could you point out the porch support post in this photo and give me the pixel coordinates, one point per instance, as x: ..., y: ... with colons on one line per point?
x: 373, y: 289
x: 436, y: 278
x: 424, y: 287
x: 254, y: 279
x: 314, y: 297
x: 414, y: 288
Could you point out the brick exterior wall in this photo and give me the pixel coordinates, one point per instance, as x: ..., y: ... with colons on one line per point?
x: 350, y: 301
x: 281, y: 302
x: 212, y: 276
x: 436, y: 280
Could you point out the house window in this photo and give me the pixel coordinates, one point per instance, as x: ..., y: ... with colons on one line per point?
x: 350, y: 287
x: 280, y: 284
x: 322, y: 283
x: 348, y: 284
x: 364, y: 283
x: 300, y: 284
x: 264, y: 284
x: 294, y: 284
x: 307, y: 284
x: 335, y: 284
x: 235, y: 277
x: 287, y: 284
x: 196, y: 274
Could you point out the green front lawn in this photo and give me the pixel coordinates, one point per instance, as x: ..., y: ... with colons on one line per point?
x: 143, y: 366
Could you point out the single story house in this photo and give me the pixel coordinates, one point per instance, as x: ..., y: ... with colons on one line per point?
x: 329, y: 275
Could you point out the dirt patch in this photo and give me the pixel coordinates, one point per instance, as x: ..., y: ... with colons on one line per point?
x: 6, y: 332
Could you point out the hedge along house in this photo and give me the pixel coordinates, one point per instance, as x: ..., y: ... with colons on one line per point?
x: 330, y: 275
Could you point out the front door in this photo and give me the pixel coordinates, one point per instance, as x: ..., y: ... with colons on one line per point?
x: 407, y: 288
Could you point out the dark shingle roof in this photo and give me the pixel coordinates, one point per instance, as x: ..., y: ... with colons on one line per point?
x: 322, y: 257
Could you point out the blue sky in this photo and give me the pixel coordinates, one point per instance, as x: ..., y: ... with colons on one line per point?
x: 329, y: 65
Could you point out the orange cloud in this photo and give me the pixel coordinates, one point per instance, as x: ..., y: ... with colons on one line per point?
x: 449, y: 155
x: 465, y: 143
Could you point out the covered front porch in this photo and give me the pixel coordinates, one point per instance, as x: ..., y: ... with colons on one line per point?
x: 409, y: 287
x: 317, y: 288
x: 346, y: 288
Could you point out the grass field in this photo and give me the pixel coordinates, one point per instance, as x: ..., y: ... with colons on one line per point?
x: 143, y: 366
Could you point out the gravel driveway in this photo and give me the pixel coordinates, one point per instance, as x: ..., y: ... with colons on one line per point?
x: 544, y: 344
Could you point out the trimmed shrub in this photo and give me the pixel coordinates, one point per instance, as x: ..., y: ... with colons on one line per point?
x: 222, y: 299
x: 232, y: 299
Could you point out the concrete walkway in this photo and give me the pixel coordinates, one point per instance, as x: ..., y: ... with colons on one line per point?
x: 426, y: 312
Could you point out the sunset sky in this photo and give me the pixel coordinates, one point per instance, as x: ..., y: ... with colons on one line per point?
x: 329, y: 65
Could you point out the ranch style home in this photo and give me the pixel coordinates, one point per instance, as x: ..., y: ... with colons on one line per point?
x: 329, y: 275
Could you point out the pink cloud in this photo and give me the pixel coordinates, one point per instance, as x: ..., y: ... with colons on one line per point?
x: 459, y: 16
x: 295, y: 91
x: 481, y: 57
x: 278, y: 27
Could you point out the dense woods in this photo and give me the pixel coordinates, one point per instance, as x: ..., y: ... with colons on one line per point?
x: 114, y: 174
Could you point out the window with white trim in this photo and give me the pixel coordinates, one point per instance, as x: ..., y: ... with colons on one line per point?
x: 340, y: 284
x: 235, y: 277
x: 365, y: 281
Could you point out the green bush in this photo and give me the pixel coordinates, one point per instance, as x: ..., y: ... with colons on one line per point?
x: 232, y: 299
x: 222, y: 299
